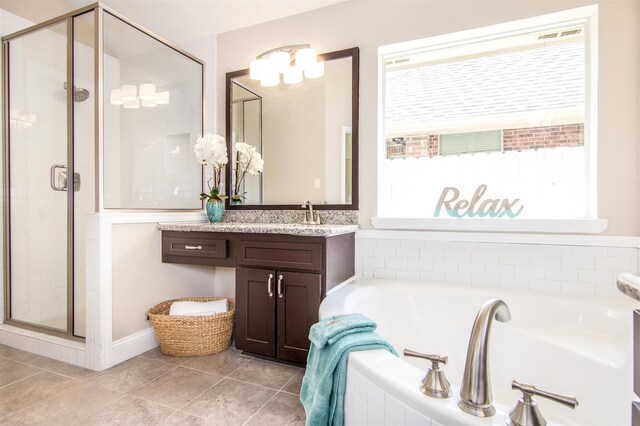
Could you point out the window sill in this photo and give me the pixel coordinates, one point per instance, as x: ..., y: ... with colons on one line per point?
x: 547, y: 226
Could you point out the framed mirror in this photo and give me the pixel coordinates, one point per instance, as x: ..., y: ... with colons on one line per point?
x: 306, y: 133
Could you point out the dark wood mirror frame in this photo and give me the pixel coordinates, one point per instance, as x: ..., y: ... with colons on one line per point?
x: 354, y: 54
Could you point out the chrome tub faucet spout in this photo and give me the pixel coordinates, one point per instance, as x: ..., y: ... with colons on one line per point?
x: 475, y: 393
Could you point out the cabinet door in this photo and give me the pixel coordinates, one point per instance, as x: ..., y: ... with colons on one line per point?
x: 298, y: 302
x: 256, y: 311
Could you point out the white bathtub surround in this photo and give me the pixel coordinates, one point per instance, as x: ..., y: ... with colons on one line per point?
x: 570, y: 265
x: 580, y: 346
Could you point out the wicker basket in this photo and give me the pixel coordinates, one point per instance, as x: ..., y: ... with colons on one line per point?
x: 192, y: 335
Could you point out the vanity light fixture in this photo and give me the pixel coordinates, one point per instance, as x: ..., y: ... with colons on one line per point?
x: 291, y: 61
x: 132, y: 97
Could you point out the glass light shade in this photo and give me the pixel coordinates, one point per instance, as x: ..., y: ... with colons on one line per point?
x: 270, y: 79
x: 280, y: 61
x: 162, y: 98
x: 116, y: 97
x: 148, y: 103
x: 134, y: 104
x: 147, y: 91
x: 306, y: 58
x: 128, y: 92
x: 317, y: 70
x: 293, y: 75
x: 257, y: 68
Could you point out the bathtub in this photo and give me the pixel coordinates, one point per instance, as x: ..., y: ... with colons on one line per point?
x: 575, y: 346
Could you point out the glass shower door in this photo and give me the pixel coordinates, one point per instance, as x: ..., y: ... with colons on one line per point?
x: 39, y: 180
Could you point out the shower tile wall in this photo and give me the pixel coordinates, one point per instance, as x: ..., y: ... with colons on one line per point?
x: 563, y: 269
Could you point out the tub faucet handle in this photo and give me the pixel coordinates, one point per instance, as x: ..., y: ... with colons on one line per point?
x: 434, y: 383
x: 526, y: 412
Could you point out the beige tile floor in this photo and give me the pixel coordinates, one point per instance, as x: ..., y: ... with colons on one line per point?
x: 152, y: 389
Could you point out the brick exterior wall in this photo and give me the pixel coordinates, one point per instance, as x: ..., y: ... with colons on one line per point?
x: 512, y: 140
x: 543, y: 137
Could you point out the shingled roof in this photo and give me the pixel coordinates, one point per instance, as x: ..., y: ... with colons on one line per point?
x: 543, y: 78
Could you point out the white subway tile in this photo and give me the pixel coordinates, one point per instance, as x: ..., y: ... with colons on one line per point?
x: 375, y: 403
x: 492, y: 246
x: 522, y: 248
x: 580, y: 289
x: 432, y: 253
x: 514, y: 283
x: 596, y: 276
x: 547, y: 286
x: 554, y: 249
x: 589, y: 251
x: 458, y: 279
x: 484, y: 281
x: 408, y: 253
x: 561, y: 274
x: 622, y: 251
x: 394, y: 411
x: 456, y: 245
x: 373, y: 262
x: 472, y: 268
x: 413, y: 418
x: 580, y: 262
x: 384, y: 252
x: 395, y: 263
x: 536, y: 272
x: 364, y: 251
x: 420, y: 265
x: 457, y: 255
x: 545, y: 259
x: 388, y: 243
x: 487, y: 256
x: 634, y: 265
x: 500, y: 270
x: 432, y: 277
x: 442, y: 266
x: 511, y: 258
x: 367, y: 272
x: 386, y: 274
x: 438, y: 244
x: 367, y: 242
x: 408, y: 275
x: 613, y: 263
x: 412, y: 243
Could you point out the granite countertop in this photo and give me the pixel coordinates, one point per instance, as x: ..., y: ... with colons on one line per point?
x: 260, y: 228
x: 629, y: 284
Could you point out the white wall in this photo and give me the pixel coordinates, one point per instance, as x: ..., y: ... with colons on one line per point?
x: 368, y: 25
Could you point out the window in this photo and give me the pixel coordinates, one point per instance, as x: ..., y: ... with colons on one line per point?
x: 496, y: 115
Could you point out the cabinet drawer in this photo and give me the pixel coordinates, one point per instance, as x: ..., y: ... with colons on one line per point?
x: 195, y: 247
x: 300, y: 256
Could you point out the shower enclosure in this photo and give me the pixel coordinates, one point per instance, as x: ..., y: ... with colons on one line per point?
x: 98, y: 114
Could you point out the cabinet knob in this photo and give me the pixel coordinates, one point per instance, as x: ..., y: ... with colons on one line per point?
x: 269, y: 289
x: 280, y: 278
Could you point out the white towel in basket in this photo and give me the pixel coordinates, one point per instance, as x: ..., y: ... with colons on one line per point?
x: 187, y: 308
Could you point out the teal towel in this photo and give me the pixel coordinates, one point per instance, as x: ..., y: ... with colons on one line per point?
x: 331, y: 329
x: 323, y: 385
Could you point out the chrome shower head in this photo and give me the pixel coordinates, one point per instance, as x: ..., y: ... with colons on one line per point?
x: 79, y: 94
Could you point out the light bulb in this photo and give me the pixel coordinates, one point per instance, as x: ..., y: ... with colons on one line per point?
x: 128, y: 92
x: 270, y: 78
x: 257, y: 68
x: 134, y: 104
x: 162, y: 98
x: 306, y: 58
x: 293, y: 75
x: 279, y: 60
x: 147, y: 91
x: 148, y: 103
x: 116, y: 97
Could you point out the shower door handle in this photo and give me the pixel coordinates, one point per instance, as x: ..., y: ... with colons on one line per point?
x: 59, y: 178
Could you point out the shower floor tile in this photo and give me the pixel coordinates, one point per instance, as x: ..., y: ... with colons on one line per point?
x: 153, y: 388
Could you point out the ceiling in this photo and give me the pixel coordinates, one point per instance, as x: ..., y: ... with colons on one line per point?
x: 182, y: 20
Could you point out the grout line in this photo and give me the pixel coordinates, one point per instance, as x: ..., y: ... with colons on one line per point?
x: 198, y: 396
x: 152, y: 380
x: 258, y: 410
x: 24, y: 378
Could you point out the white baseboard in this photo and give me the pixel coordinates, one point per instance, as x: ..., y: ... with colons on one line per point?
x: 133, y: 345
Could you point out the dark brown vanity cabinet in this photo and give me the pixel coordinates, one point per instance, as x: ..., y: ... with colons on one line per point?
x: 275, y: 310
x: 280, y: 281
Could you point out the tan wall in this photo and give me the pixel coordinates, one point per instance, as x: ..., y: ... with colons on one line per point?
x: 369, y: 24
x: 141, y: 281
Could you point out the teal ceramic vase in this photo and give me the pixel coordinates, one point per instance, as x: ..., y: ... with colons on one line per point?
x: 215, y: 210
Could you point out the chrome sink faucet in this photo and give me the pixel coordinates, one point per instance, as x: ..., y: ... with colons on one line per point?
x: 310, y: 219
x: 475, y: 392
